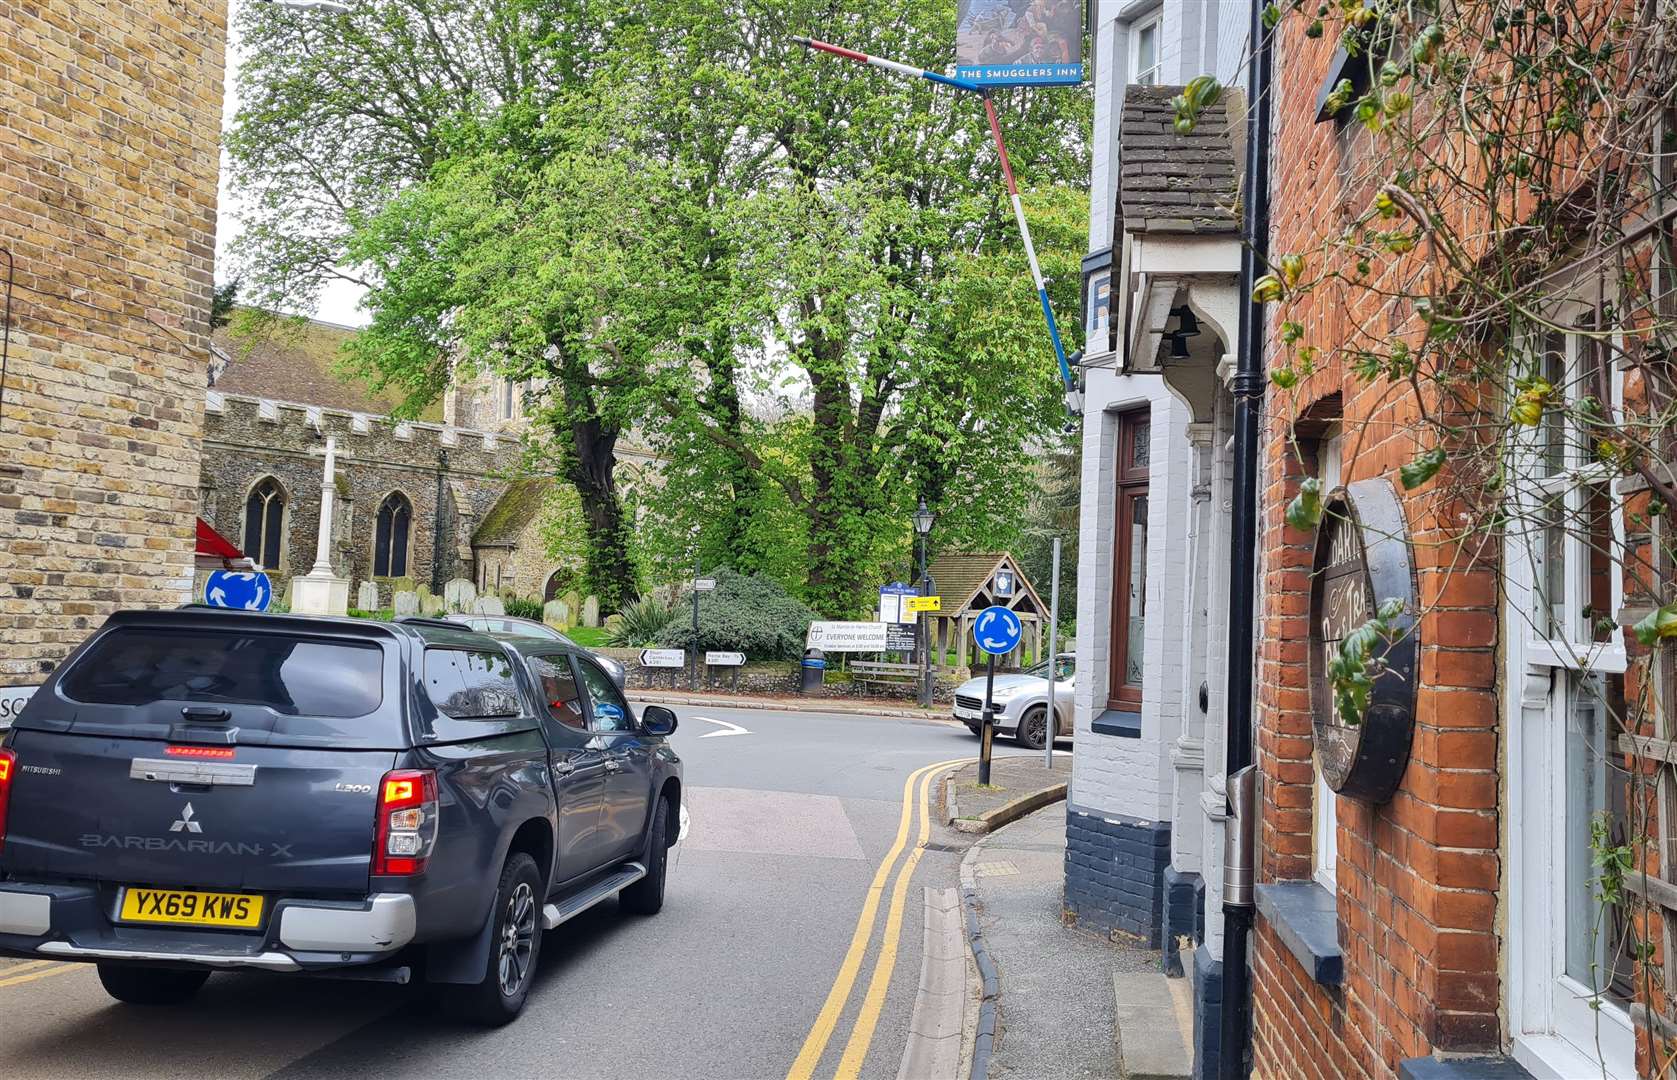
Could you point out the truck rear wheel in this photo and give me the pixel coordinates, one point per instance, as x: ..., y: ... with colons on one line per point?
x: 515, y: 943
x: 150, y: 986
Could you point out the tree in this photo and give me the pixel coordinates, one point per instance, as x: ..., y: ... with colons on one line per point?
x: 798, y: 275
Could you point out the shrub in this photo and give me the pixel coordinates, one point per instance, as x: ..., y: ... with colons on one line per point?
x: 523, y: 609
x: 753, y: 615
x: 640, y: 622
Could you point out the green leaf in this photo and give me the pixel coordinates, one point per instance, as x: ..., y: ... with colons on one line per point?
x: 1305, y: 511
x: 1285, y: 378
x: 1423, y: 468
x: 1659, y: 625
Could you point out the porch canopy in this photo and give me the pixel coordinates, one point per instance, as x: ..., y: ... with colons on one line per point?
x: 969, y: 584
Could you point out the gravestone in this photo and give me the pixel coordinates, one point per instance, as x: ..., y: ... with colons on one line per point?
x: 591, y: 611
x: 432, y: 606
x: 366, y: 597
x: 488, y: 605
x: 573, y: 600
x: 407, y: 603
x: 459, y: 594
x: 612, y: 622
x: 556, y: 614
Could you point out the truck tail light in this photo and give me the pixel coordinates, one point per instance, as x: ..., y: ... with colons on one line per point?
x: 8, y: 768
x: 407, y: 821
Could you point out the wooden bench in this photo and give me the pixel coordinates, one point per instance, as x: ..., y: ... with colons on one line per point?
x: 870, y: 673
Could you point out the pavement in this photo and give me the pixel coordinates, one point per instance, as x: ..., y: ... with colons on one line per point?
x: 792, y: 931
x: 1018, y: 785
x: 1057, y: 1013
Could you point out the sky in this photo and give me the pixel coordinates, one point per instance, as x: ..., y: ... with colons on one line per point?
x: 338, y: 303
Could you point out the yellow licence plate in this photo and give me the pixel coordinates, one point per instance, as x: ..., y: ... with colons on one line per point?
x: 190, y: 908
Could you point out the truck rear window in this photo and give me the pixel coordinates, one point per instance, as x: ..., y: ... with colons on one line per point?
x: 294, y: 676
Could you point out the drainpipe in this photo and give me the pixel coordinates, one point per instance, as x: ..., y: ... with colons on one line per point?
x: 1248, y: 391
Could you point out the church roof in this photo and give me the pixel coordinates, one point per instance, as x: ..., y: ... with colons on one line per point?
x: 296, y: 360
x: 512, y: 513
x: 1173, y: 183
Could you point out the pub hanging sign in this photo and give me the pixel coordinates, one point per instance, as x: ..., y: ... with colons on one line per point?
x: 1363, y: 560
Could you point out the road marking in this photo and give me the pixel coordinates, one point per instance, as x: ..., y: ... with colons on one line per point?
x: 27, y: 965
x: 61, y: 969
x: 815, y: 1044
x: 681, y: 834
x: 873, y: 1002
x: 732, y: 729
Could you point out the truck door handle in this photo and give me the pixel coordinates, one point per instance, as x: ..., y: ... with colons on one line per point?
x: 613, y: 766
x: 563, y: 768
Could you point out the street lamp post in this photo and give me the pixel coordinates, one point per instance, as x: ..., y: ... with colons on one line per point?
x: 923, y: 519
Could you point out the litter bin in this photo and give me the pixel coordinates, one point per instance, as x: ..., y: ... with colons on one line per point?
x: 814, y: 669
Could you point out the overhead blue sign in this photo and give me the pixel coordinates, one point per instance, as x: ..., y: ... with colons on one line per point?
x: 997, y: 631
x: 239, y: 589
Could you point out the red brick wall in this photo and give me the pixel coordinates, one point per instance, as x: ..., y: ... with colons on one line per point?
x: 1418, y: 875
x: 110, y: 116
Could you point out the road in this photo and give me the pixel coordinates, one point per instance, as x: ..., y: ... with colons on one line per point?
x: 788, y: 825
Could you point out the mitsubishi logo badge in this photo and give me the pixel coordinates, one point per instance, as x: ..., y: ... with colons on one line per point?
x: 186, y: 822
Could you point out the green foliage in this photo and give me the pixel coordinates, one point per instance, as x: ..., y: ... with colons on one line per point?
x: 753, y: 615
x: 1354, y: 667
x: 795, y: 276
x: 1305, y: 511
x: 383, y: 615
x: 643, y: 620
x: 1055, y: 510
x: 520, y: 608
x: 1657, y: 626
x: 1423, y: 468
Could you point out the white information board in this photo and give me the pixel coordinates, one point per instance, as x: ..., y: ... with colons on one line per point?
x: 847, y: 636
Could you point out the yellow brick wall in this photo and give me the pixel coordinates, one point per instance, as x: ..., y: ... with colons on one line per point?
x: 109, y: 118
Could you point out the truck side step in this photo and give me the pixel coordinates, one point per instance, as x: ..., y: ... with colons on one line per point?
x: 577, y: 903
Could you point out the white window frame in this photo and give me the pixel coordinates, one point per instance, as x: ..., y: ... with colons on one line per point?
x: 1151, y: 76
x: 1324, y: 865
x: 1552, y: 1026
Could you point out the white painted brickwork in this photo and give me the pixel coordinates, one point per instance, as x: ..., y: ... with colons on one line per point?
x: 1110, y: 774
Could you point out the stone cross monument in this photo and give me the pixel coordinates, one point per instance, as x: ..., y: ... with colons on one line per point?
x: 320, y: 591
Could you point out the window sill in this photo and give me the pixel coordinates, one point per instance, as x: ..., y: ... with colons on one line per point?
x: 1467, y: 1068
x: 1306, y: 917
x: 1123, y: 725
x: 1550, y: 1057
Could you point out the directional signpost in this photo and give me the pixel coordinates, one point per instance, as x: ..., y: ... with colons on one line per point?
x: 917, y: 604
x: 730, y: 660
x: 997, y: 631
x: 664, y: 658
x: 240, y: 590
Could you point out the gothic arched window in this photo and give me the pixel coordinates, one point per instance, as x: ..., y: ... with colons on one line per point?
x: 264, y: 522
x: 390, y: 536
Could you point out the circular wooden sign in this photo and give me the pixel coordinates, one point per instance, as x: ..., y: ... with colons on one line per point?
x: 1362, y: 560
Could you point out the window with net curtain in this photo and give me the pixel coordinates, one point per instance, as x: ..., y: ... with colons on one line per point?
x: 390, y: 536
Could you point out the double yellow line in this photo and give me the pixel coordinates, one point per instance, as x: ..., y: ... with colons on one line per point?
x: 37, y: 969
x: 873, y: 1000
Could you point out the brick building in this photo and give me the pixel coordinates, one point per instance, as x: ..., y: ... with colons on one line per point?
x: 110, y: 116
x: 1445, y: 919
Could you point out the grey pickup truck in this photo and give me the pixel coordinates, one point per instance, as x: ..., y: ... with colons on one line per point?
x: 201, y: 790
